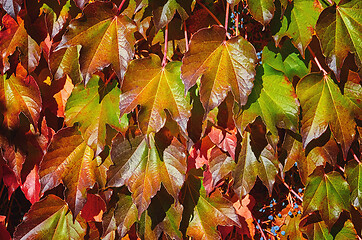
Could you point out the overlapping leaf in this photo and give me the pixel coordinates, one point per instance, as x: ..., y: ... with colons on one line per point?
x: 249, y: 166
x: 261, y: 10
x: 99, y: 30
x: 328, y: 193
x: 354, y: 179
x: 19, y: 95
x: 12, y: 7
x: 50, y: 219
x: 353, y: 91
x: 69, y: 160
x: 93, y: 107
x: 273, y: 99
x: 298, y: 23
x: 139, y: 166
x: 155, y: 88
x: 223, y: 66
x: 203, y: 214
x: 324, y: 105
x: 291, y: 228
x: 339, y: 30
x: 16, y: 37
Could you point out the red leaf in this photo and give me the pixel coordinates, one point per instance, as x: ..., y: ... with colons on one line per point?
x: 10, y: 180
x: 226, y: 140
x: 94, y: 208
x: 4, y: 234
x: 31, y: 186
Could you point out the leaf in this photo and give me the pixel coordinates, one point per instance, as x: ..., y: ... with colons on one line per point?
x: 347, y: 232
x: 211, y: 57
x: 226, y: 140
x: 94, y: 208
x: 203, y: 214
x: 69, y: 160
x: 273, y: 99
x: 16, y: 37
x: 164, y: 11
x: 31, y: 186
x: 323, y: 105
x: 261, y: 10
x: 291, y: 228
x: 19, y: 95
x: 12, y: 7
x: 287, y: 60
x: 317, y: 231
x: 155, y: 88
x: 339, y: 30
x: 354, y: 179
x: 249, y: 167
x: 353, y: 91
x: 93, y: 107
x: 328, y: 193
x: 98, y: 30
x: 50, y: 219
x: 298, y: 23
x: 139, y: 166
x: 162, y: 216
x: 65, y: 61
x: 62, y: 96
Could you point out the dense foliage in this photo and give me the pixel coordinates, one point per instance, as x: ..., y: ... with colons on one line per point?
x: 180, y: 119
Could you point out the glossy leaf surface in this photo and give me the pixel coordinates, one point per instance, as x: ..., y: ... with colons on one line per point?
x: 262, y: 10
x: 210, y: 55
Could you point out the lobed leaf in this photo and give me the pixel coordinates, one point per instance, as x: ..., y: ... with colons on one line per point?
x: 261, y: 10
x: 354, y: 179
x: 223, y: 66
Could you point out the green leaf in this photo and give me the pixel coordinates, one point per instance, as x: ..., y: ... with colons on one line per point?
x: 99, y: 30
x: 354, y: 179
x: 249, y: 166
x: 50, y: 219
x: 353, y: 91
x: 324, y: 105
x: 317, y: 231
x: 261, y: 10
x: 202, y: 214
x: 93, y: 107
x: 328, y: 193
x: 339, y: 30
x: 273, y: 99
x: 69, y: 160
x: 287, y: 60
x: 298, y: 23
x: 347, y: 232
x: 139, y: 166
x: 155, y: 88
x: 291, y: 228
x: 18, y: 94
x: 223, y: 66
x: 161, y: 216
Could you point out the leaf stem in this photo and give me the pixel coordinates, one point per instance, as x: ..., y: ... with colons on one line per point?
x: 355, y: 157
x: 290, y: 189
x: 209, y: 12
x: 237, y: 21
x: 120, y: 7
x: 316, y: 61
x: 164, y: 60
x: 260, y: 229
x: 110, y: 78
x: 186, y: 38
x: 227, y: 16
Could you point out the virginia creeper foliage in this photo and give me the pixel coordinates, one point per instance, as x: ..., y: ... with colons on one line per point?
x: 180, y: 119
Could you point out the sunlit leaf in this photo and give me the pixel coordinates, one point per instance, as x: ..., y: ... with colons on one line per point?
x: 328, y: 193
x: 155, y: 88
x: 50, y: 219
x: 317, y: 231
x: 14, y: 37
x: 354, y: 178
x: 339, y: 30
x: 12, y: 7
x: 353, y: 91
x: 347, y: 232
x: 249, y: 166
x: 69, y: 160
x: 19, y: 95
x: 261, y: 10
x: 273, y: 99
x: 298, y: 23
x: 93, y: 107
x: 139, y: 166
x: 324, y: 105
x: 291, y: 229
x: 202, y: 214
x: 223, y: 66
x: 99, y: 30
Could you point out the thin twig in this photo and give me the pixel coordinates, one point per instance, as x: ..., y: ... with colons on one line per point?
x: 340, y: 168
x: 316, y: 61
x: 237, y: 21
x: 120, y: 7
x: 164, y: 60
x: 355, y: 156
x: 209, y: 12
x: 110, y: 78
x: 290, y: 189
x: 186, y: 38
x: 260, y: 229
